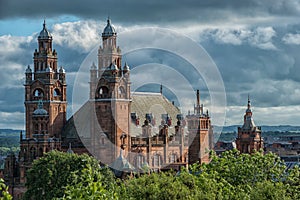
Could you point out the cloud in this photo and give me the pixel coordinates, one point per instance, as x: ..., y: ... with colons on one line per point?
x: 291, y: 39
x: 155, y: 11
x: 14, y: 120
x: 281, y: 115
x: 260, y: 37
x: 13, y: 58
x: 252, y: 58
x: 13, y: 44
x: 80, y: 36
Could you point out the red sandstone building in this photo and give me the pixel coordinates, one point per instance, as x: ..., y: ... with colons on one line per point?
x: 114, y: 119
x: 249, y: 135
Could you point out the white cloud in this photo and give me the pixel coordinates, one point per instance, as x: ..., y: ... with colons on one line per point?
x: 12, y: 63
x: 13, y: 44
x: 80, y: 36
x: 291, y: 39
x: 260, y: 37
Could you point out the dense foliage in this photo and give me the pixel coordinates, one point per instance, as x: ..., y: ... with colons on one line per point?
x: 231, y: 176
x: 4, y: 195
x: 51, y: 174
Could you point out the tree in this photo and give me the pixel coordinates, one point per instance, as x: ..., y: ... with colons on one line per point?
x: 4, y: 195
x: 86, y: 186
x: 154, y: 186
x: 51, y: 174
x: 245, y: 176
x: 244, y: 169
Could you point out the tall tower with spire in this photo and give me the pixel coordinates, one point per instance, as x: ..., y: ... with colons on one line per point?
x: 200, y: 134
x: 249, y: 135
x: 45, y: 103
x: 110, y: 96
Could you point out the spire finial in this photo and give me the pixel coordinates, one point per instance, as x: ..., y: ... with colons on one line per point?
x: 44, y: 24
x: 161, y: 88
x: 198, y: 98
x: 249, y: 104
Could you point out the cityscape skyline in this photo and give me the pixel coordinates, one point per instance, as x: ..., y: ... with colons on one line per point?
x: 254, y: 46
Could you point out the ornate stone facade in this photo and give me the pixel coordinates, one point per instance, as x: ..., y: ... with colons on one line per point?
x: 249, y: 135
x: 111, y: 125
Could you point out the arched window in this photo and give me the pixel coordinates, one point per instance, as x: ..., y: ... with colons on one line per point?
x: 56, y: 92
x: 38, y: 93
x: 121, y: 92
x: 139, y: 161
x: 102, y: 92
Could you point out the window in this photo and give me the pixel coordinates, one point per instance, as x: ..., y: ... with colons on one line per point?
x: 157, y: 161
x: 38, y: 93
x: 121, y: 92
x: 56, y: 92
x: 103, y: 92
x: 33, y: 153
x: 139, y: 161
x: 36, y: 128
x: 40, y: 152
x: 173, y: 158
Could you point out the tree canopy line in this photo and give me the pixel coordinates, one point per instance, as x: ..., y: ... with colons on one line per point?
x: 63, y: 176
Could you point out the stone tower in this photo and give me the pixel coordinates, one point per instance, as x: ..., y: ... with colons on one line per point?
x: 249, y: 135
x: 200, y: 134
x: 110, y: 96
x: 45, y: 103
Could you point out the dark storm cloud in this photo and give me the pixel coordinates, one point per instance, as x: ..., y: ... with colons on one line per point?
x: 153, y: 11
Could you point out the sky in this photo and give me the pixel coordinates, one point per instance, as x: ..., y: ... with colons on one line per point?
x: 254, y: 44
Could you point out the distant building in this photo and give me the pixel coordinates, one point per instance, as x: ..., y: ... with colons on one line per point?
x: 287, y: 147
x: 222, y: 146
x: 249, y: 135
x: 118, y: 127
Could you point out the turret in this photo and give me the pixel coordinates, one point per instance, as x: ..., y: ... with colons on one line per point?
x: 62, y: 74
x: 28, y: 74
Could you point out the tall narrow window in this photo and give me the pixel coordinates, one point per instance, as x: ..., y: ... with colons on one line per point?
x: 173, y: 158
x: 157, y: 161
x: 139, y: 161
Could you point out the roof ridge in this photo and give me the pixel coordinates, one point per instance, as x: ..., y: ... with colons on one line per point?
x: 146, y: 93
